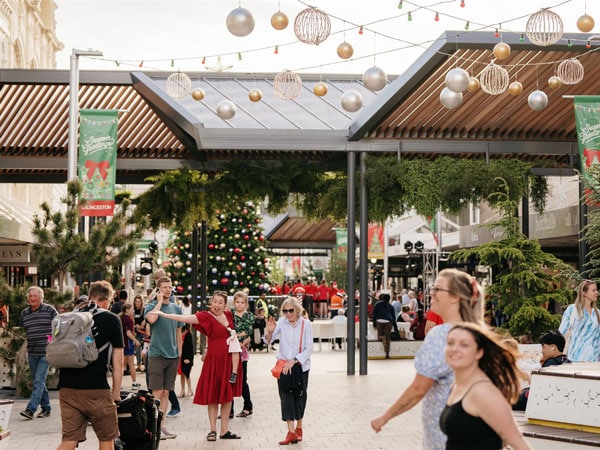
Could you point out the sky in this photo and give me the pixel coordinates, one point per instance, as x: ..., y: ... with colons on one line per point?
x: 170, y: 35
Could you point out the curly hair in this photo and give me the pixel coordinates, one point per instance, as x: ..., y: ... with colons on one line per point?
x: 499, y: 362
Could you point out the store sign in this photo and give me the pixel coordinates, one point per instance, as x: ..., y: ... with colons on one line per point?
x: 14, y: 254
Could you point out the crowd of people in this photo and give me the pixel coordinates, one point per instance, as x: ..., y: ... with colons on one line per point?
x: 461, y: 364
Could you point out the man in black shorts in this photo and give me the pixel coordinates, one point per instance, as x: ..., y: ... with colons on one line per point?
x: 84, y: 394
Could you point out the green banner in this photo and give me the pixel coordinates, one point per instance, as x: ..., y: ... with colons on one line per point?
x: 341, y: 239
x: 98, y: 160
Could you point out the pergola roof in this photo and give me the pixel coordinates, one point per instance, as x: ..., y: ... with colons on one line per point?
x: 158, y: 133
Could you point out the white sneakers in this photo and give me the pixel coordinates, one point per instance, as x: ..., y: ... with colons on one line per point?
x: 164, y: 434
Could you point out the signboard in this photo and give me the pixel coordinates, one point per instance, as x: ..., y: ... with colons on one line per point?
x: 14, y: 254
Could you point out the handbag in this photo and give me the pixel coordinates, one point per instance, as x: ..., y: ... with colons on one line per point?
x: 276, y: 370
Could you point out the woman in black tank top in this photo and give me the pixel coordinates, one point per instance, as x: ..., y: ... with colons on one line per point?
x: 478, y: 415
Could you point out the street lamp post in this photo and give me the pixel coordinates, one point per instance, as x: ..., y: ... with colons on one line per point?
x: 74, y: 108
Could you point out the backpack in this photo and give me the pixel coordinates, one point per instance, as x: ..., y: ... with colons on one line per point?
x: 72, y: 344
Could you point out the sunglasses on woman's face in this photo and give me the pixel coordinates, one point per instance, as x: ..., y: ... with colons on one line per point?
x: 287, y: 311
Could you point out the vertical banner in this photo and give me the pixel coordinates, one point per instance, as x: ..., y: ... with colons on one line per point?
x: 375, y: 242
x: 341, y: 239
x: 587, y: 120
x: 97, y: 160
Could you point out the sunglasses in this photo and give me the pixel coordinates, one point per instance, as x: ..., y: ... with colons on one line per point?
x: 435, y: 289
x: 288, y: 311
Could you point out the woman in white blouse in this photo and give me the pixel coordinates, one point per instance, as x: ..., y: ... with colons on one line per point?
x: 295, y: 346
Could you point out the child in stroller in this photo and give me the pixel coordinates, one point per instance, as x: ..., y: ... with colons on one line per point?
x: 258, y: 330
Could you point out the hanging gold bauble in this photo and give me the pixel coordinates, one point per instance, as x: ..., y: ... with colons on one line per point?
x: 474, y: 85
x: 279, y: 20
x: 320, y: 89
x: 585, y: 23
x: 501, y: 50
x: 345, y: 50
x: 198, y: 94
x: 515, y: 88
x: 554, y: 82
x: 255, y: 95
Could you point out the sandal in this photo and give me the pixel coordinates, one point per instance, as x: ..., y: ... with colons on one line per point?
x: 212, y: 436
x: 244, y: 413
x: 230, y: 435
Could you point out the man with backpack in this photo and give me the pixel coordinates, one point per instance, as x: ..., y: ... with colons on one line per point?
x: 37, y: 321
x: 84, y: 393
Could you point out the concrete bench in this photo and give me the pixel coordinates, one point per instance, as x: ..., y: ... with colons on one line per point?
x: 398, y: 349
x: 550, y: 438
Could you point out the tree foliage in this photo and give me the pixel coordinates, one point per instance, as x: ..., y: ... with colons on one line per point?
x: 59, y: 249
x: 526, y: 278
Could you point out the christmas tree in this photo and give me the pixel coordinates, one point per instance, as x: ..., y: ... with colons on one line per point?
x: 237, y: 258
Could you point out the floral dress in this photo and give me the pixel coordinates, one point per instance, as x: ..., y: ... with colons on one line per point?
x: 430, y: 362
x: 584, y: 343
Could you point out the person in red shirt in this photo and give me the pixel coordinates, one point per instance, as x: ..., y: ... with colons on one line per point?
x: 287, y: 287
x: 323, y: 299
x: 276, y: 289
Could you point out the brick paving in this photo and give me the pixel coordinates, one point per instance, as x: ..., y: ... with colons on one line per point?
x: 338, y: 413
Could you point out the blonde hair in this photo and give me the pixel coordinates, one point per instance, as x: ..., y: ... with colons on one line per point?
x: 582, y: 289
x: 294, y: 302
x: 470, y: 293
x: 242, y: 295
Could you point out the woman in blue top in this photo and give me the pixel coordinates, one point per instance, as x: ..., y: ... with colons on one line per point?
x: 295, y: 346
x: 456, y: 297
x: 581, y: 321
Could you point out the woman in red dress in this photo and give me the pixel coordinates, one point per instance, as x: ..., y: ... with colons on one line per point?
x: 213, y: 387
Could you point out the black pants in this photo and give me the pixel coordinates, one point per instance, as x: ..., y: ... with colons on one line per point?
x: 384, y: 334
x: 245, y: 389
x: 292, y: 407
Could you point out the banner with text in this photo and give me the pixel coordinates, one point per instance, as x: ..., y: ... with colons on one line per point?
x: 375, y: 242
x: 587, y: 120
x: 98, y: 160
x: 341, y: 239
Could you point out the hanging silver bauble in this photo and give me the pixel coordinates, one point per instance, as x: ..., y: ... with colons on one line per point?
x: 451, y: 99
x: 352, y: 101
x: 179, y: 85
x: 537, y: 100
x: 226, y: 109
x: 374, y: 79
x: 240, y: 22
x: 457, y: 80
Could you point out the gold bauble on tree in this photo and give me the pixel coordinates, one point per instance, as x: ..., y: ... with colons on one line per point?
x: 255, y: 95
x: 501, y: 50
x: 320, y: 89
x: 554, y: 82
x: 585, y: 23
x: 474, y: 85
x: 279, y: 21
x: 345, y: 50
x: 198, y: 94
x: 515, y: 88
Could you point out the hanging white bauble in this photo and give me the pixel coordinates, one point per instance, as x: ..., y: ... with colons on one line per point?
x: 457, y: 80
x: 352, y: 101
x: 374, y: 79
x: 226, y: 109
x: 179, y: 85
x: 544, y: 28
x: 240, y: 22
x: 570, y: 71
x: 537, y: 100
x: 451, y: 99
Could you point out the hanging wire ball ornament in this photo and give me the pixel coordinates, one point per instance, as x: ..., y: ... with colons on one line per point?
x: 570, y: 71
x: 451, y: 99
x: 537, y: 100
x: 457, y: 79
x: 179, y: 85
x: 494, y: 79
x: 352, y: 100
x: 287, y: 85
x: 226, y: 109
x: 312, y: 26
x: 544, y: 28
x: 240, y: 22
x: 374, y: 79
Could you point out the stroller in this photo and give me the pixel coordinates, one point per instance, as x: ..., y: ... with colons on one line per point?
x: 258, y: 331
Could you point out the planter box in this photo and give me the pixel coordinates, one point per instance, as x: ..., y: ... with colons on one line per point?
x: 5, y: 410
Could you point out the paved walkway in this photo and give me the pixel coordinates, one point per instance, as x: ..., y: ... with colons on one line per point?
x: 338, y: 413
